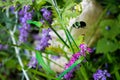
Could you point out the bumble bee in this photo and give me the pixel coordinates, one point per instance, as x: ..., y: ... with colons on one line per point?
x: 80, y: 24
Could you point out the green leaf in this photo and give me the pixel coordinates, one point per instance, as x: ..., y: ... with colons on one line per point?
x: 37, y: 23
x: 8, y: 3
x: 42, y: 63
x: 105, y: 46
x: 71, y: 67
x: 113, y: 9
x: 117, y: 75
x: 114, y: 28
x: 9, y: 65
x: 39, y: 4
x: 84, y: 72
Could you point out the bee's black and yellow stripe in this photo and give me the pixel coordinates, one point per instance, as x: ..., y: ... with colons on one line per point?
x: 80, y: 24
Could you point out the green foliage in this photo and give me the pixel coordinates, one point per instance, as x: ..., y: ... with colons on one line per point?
x: 114, y: 28
x: 9, y: 66
x: 41, y: 74
x: 71, y: 67
x: 37, y: 23
x: 83, y: 72
x: 78, y: 41
x: 109, y: 43
x: 8, y: 3
x: 66, y: 12
x: 105, y: 46
x: 42, y: 63
x: 38, y: 4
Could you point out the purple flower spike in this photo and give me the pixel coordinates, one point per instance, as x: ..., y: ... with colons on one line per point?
x: 43, y: 42
x: 84, y: 49
x: 33, y: 62
x: 43, y: 10
x: 24, y: 30
x: 23, y: 35
x: 47, y: 15
x: 74, y: 58
x: 12, y: 9
x: 101, y: 75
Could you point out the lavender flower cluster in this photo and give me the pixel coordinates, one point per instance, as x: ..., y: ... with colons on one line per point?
x: 101, y: 75
x: 41, y: 45
x: 47, y: 15
x: 72, y: 60
x: 33, y: 62
x: 24, y: 30
x: 43, y: 41
x: 75, y: 57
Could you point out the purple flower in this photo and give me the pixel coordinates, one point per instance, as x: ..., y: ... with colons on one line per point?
x: 68, y: 75
x: 101, y: 75
x: 84, y: 49
x: 33, y: 62
x: 72, y: 60
x: 23, y: 34
x: 24, y: 30
x: 43, y: 42
x: 47, y: 15
x: 75, y: 57
x: 12, y: 9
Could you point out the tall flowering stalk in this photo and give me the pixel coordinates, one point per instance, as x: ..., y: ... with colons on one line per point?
x: 74, y: 58
x: 47, y: 15
x: 40, y: 47
x: 24, y: 30
x: 43, y: 41
x: 33, y: 62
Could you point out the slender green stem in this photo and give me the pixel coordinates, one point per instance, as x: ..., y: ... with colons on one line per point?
x: 56, y: 33
x: 68, y: 37
x: 71, y: 67
x: 60, y: 37
x: 67, y: 33
x: 72, y: 39
x: 53, y: 61
x: 42, y: 74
